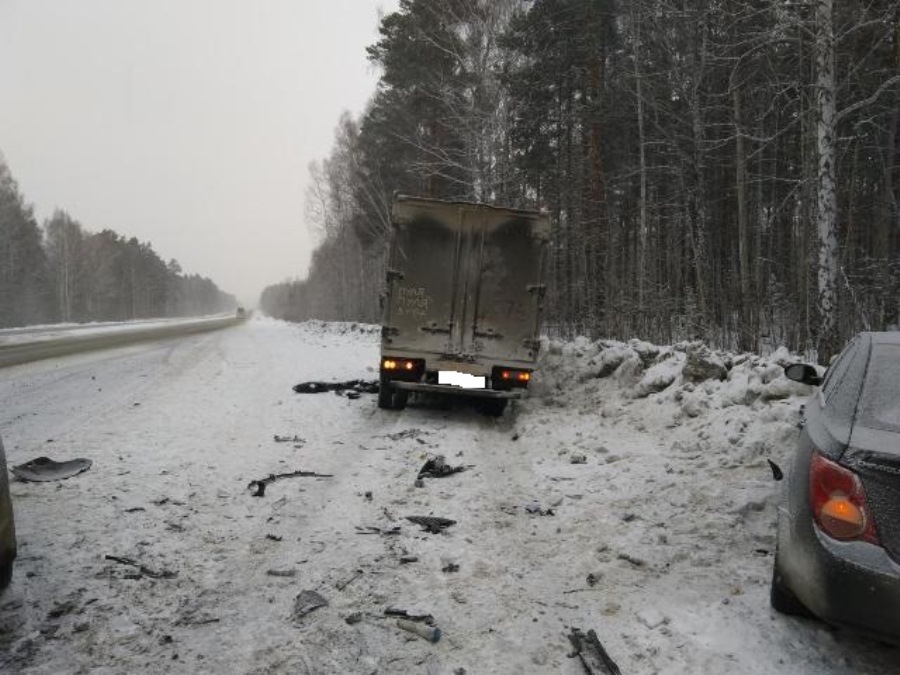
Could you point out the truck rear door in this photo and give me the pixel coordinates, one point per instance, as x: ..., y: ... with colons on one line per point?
x: 502, y: 290
x: 464, y: 279
x: 423, y: 275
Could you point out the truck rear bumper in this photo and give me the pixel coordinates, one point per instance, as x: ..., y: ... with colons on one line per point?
x: 458, y: 391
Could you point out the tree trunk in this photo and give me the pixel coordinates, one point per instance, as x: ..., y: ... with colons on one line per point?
x: 827, y: 342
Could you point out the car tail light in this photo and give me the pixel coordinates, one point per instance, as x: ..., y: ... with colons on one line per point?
x: 838, y: 501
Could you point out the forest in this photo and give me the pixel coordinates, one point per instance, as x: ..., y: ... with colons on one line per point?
x: 62, y: 273
x: 723, y: 170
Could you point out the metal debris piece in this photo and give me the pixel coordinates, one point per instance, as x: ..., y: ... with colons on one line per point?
x: 406, y: 559
x: 450, y: 567
x: 432, y: 524
x: 593, y: 656
x: 777, y: 473
x: 354, y: 618
x: 258, y: 487
x: 306, y: 602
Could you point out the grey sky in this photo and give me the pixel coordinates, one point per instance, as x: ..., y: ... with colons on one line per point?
x: 185, y: 123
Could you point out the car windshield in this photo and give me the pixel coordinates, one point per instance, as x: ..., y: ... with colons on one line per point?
x: 879, y: 406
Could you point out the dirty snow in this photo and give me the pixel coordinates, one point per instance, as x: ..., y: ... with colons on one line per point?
x: 621, y: 498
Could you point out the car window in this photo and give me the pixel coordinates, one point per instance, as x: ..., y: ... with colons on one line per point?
x: 838, y: 368
x: 879, y: 406
x: 843, y: 396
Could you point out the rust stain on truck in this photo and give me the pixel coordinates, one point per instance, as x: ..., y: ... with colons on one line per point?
x: 464, y: 292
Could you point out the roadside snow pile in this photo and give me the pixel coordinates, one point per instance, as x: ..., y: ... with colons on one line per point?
x: 318, y: 327
x: 732, y: 408
x: 636, y: 370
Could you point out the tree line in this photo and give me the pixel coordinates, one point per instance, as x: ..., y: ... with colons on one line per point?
x: 62, y: 273
x: 715, y: 169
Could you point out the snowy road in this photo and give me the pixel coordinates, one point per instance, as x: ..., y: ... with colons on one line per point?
x: 661, y: 541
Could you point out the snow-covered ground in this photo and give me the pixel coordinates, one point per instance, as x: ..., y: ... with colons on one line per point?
x: 661, y: 539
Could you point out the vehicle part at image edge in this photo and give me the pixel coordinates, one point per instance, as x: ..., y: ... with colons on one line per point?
x: 7, y: 525
x: 838, y: 552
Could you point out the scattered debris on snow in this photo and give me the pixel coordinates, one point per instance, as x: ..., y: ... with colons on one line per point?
x: 594, y: 658
x: 437, y: 467
x: 289, y: 439
x: 258, y: 487
x: 430, y: 633
x: 354, y: 386
x: 410, y: 615
x: 432, y: 524
x: 44, y: 469
x: 144, y: 570
x: 306, y: 602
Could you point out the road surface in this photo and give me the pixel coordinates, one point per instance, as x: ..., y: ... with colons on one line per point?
x: 661, y: 540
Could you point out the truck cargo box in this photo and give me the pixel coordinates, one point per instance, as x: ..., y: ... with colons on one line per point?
x: 464, y: 292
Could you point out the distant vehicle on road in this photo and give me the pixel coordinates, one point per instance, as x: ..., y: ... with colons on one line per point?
x: 240, y: 313
x: 464, y: 299
x: 7, y: 525
x: 838, y: 555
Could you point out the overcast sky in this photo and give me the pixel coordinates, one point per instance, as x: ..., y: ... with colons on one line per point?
x: 186, y: 123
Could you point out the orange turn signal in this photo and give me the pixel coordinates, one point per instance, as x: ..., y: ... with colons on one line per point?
x: 843, y: 518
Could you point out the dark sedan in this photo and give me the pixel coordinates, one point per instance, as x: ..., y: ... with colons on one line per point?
x: 838, y: 555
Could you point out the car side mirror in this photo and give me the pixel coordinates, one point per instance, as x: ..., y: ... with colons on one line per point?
x: 803, y: 373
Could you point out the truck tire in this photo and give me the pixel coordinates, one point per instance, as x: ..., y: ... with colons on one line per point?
x: 400, y: 399
x: 390, y: 398
x: 492, y: 407
x: 385, y: 396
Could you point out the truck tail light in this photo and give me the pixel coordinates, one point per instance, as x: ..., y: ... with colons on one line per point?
x: 838, y: 502
x: 397, y: 367
x: 506, y: 378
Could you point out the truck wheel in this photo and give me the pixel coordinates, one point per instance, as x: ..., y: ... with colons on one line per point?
x: 400, y: 399
x: 492, y: 407
x: 385, y: 396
